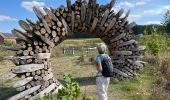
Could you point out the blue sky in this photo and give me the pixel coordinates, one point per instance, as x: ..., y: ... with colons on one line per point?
x: 142, y: 11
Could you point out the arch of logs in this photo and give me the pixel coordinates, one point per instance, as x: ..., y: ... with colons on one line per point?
x: 35, y: 44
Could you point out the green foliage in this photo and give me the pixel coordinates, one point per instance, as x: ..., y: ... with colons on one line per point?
x: 153, y: 44
x: 9, y: 42
x: 166, y: 21
x: 71, y: 89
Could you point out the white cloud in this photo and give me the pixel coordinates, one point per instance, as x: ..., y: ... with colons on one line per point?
x: 133, y: 17
x: 152, y: 22
x: 28, y: 5
x: 157, y: 11
x: 140, y: 3
x: 7, y: 18
x: 127, y: 4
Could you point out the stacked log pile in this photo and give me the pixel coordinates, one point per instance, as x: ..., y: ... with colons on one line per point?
x: 35, y: 44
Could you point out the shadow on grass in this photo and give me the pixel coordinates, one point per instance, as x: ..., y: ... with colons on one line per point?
x: 6, y: 92
x: 83, y: 81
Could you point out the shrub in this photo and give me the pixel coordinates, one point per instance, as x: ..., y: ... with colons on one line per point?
x: 71, y: 89
x: 153, y: 43
x: 8, y: 42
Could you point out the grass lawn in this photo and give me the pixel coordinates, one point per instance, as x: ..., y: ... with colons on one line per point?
x: 138, y: 88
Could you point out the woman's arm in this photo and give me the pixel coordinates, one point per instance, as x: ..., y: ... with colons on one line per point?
x: 99, y: 66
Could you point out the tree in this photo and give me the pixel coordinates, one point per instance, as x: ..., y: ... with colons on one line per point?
x: 166, y: 21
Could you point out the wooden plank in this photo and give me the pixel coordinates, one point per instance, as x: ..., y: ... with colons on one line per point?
x: 106, y: 14
x: 27, y: 68
x: 122, y: 52
x: 51, y: 15
x: 94, y: 24
x: 118, y: 37
x: 7, y: 76
x: 83, y: 12
x: 46, y: 40
x: 127, y: 43
x: 22, y: 82
x: 72, y: 21
x: 42, y: 55
x: 47, y: 77
x: 46, y: 90
x: 24, y: 25
x: 112, y: 22
x: 69, y: 6
x: 24, y: 93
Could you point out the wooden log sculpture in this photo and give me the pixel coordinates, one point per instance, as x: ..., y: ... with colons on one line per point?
x: 56, y: 25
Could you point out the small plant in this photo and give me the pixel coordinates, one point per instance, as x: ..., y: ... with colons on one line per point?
x: 153, y: 44
x: 71, y: 89
x: 8, y: 42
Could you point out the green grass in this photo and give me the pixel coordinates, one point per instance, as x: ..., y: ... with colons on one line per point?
x: 138, y: 88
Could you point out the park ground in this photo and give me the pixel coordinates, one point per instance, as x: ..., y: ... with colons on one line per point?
x: 149, y: 84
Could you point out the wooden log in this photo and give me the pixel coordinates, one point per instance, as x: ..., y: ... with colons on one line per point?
x: 68, y: 31
x: 127, y: 14
x: 131, y: 25
x: 20, y: 35
x: 118, y: 37
x: 42, y: 55
x: 27, y: 68
x: 122, y: 52
x: 94, y: 24
x: 41, y: 16
x: 58, y: 88
x: 22, y: 88
x: 83, y: 12
x: 24, y: 93
x: 72, y: 21
x: 69, y: 5
x: 130, y: 70
x: 115, y: 70
x: 111, y: 4
x: 46, y: 40
x: 112, y: 22
x: 47, y: 90
x: 24, y: 25
x: 143, y: 62
x: 106, y: 13
x: 22, y: 82
x: 7, y: 76
x: 89, y: 16
x: 51, y: 15
x: 119, y: 13
x: 127, y: 43
x: 48, y: 76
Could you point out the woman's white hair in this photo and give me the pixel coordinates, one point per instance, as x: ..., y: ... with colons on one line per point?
x: 101, y: 47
